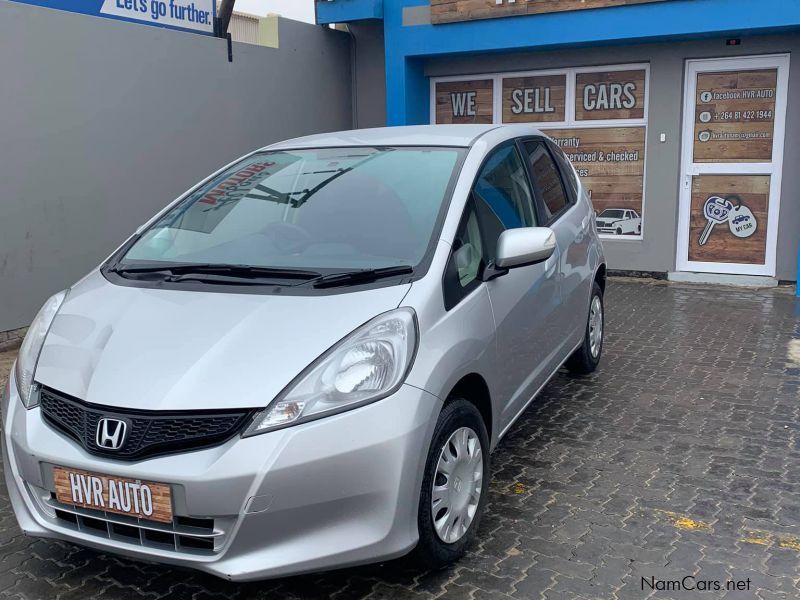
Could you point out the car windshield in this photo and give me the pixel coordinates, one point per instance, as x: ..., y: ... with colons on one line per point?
x: 612, y: 213
x: 317, y: 209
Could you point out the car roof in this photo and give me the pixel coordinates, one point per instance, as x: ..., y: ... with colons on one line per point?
x: 411, y: 135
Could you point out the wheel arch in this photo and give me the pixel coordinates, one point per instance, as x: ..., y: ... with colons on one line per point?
x: 474, y: 389
x: 600, y: 276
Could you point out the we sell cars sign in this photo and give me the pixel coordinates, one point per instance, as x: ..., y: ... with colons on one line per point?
x: 187, y: 15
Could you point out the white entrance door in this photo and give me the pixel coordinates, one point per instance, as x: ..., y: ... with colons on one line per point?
x: 732, y: 156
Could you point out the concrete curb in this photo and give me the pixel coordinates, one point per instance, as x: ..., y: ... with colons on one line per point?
x: 11, y: 340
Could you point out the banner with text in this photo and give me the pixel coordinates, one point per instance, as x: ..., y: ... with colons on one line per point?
x: 597, y: 116
x: 534, y: 99
x: 610, y: 163
x: 603, y: 95
x: 735, y: 116
x: 451, y: 11
x: 465, y: 101
x: 187, y: 15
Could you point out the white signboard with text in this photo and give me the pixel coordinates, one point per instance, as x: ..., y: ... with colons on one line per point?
x: 187, y: 15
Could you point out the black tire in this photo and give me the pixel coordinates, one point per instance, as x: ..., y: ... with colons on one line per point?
x: 582, y: 361
x: 619, y: 231
x: 431, y: 552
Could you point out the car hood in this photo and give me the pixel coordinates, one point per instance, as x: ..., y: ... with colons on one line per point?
x: 153, y: 349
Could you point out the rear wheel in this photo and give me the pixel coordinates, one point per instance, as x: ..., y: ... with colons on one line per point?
x: 454, y: 488
x: 586, y: 358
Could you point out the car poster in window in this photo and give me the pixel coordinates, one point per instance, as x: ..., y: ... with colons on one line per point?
x: 465, y: 101
x: 735, y: 116
x: 728, y: 221
x: 610, y: 163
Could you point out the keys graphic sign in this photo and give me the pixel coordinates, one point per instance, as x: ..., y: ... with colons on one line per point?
x: 729, y: 218
x: 188, y: 15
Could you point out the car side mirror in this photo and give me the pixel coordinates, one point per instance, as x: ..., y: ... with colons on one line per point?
x: 524, y: 246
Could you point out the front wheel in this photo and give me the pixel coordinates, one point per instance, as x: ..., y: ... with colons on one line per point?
x: 455, y: 485
x: 586, y: 358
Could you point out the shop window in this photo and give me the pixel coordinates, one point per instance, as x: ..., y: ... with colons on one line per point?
x: 596, y: 117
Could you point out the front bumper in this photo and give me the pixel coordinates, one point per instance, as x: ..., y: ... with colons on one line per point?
x: 606, y: 229
x: 331, y: 493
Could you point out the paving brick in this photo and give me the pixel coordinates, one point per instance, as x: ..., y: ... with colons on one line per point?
x: 691, y: 418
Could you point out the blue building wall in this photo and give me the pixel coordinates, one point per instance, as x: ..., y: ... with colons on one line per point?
x: 407, y: 87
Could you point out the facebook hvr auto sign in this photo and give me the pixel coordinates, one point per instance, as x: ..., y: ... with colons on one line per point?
x: 191, y: 15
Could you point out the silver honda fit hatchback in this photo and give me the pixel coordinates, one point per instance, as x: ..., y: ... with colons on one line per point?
x: 305, y: 361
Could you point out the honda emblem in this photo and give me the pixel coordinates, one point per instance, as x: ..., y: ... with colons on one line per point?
x: 111, y: 433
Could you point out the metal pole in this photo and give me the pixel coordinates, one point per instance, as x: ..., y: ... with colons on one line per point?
x: 224, y: 17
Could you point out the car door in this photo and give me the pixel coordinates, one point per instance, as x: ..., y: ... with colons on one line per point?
x: 555, y: 191
x: 525, y: 300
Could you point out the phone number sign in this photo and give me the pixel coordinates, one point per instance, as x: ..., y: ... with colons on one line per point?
x: 186, y: 15
x: 735, y: 116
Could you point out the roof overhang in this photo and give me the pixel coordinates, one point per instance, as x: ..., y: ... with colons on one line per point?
x: 343, y: 11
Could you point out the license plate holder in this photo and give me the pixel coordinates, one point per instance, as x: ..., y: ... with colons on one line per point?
x: 127, y: 496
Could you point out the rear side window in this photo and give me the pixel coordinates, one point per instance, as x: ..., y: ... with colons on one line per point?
x: 547, y: 182
x: 567, y: 172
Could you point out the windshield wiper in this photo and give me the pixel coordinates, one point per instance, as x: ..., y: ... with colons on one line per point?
x: 361, y: 276
x: 232, y: 271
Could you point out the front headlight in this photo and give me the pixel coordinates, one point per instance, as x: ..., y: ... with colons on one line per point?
x: 32, y: 347
x: 367, y: 365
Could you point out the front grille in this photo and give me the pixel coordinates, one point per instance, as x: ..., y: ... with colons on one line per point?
x: 184, y: 534
x: 150, y: 433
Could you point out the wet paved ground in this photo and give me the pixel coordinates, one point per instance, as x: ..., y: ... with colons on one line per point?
x: 679, y: 457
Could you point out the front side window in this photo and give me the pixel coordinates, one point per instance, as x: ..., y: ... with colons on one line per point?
x: 468, y: 249
x: 502, y: 196
x: 467, y: 259
x: 324, y: 210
